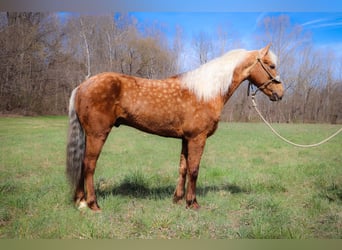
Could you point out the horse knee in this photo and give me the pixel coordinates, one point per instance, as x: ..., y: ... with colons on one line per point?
x: 182, y: 170
x: 193, y: 173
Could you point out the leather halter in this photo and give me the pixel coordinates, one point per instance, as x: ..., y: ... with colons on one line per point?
x: 274, y: 79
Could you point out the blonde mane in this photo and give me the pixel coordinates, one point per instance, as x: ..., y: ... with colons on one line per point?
x: 213, y: 78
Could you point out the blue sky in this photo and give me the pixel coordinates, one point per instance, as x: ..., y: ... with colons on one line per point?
x: 173, y: 5
x: 325, y: 27
x: 323, y: 18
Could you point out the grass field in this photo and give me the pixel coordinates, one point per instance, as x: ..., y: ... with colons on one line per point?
x: 251, y: 184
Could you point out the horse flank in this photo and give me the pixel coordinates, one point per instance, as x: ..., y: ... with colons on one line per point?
x: 213, y: 78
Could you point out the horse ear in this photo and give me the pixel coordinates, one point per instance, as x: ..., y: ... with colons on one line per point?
x: 264, y: 51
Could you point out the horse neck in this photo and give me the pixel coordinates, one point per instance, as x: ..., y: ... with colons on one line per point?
x: 241, y: 73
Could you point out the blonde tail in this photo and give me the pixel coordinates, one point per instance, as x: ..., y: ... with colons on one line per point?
x: 75, y: 145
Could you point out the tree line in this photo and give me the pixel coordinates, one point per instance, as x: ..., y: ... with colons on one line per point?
x: 45, y: 55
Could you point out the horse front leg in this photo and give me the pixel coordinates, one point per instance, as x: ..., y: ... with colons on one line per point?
x: 195, y: 150
x: 180, y: 188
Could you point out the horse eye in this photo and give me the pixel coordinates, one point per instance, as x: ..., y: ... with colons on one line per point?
x: 272, y: 66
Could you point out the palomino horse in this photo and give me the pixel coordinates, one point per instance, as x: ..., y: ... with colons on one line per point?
x: 186, y: 106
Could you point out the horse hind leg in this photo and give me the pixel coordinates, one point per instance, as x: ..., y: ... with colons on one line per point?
x: 94, y: 144
x: 80, y: 200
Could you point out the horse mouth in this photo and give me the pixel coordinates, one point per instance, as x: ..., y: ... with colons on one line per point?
x: 275, y: 97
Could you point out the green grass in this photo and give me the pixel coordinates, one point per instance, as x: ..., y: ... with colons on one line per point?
x: 251, y: 184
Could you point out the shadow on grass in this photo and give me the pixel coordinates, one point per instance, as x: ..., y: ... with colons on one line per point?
x: 140, y: 189
x: 333, y: 193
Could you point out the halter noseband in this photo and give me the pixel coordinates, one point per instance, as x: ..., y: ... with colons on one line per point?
x: 273, y: 79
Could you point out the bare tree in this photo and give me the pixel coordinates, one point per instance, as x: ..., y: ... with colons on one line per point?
x: 84, y: 34
x: 177, y: 50
x: 305, y: 71
x: 42, y: 59
x: 203, y: 47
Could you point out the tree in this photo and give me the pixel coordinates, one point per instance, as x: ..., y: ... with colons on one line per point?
x: 43, y: 58
x: 203, y: 47
x: 26, y: 38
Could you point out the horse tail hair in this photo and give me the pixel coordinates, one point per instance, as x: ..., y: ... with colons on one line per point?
x: 75, y: 145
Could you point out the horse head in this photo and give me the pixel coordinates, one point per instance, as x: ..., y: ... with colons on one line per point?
x: 264, y: 74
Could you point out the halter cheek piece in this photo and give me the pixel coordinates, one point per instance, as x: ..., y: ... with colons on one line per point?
x: 274, y: 79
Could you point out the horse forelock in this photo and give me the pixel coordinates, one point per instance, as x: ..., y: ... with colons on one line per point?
x: 213, y: 78
x: 273, y: 57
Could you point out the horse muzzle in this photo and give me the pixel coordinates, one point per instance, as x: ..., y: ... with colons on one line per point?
x: 275, y: 97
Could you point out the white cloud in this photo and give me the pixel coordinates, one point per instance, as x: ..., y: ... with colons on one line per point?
x: 322, y: 23
x: 314, y: 22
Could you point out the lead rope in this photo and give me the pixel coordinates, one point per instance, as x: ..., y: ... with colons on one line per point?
x: 286, y: 140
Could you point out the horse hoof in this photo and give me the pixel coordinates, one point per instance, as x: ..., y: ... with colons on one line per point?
x: 177, y: 200
x: 95, y: 208
x: 193, y: 205
x: 81, y: 205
